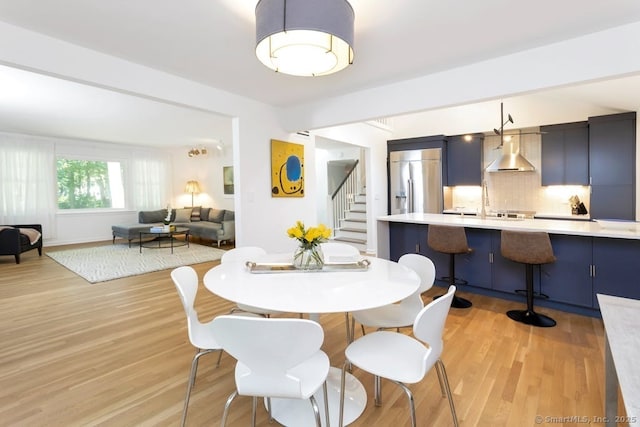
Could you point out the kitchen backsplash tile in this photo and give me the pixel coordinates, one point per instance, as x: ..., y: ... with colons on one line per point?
x: 518, y: 190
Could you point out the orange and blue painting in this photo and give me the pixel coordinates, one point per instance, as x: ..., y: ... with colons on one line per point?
x: 287, y: 169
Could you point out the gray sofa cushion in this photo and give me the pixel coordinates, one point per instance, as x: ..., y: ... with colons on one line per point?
x: 204, y: 214
x: 149, y: 217
x: 229, y: 216
x: 183, y: 215
x: 216, y: 215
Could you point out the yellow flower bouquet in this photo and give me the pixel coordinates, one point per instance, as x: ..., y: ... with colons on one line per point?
x: 309, y: 256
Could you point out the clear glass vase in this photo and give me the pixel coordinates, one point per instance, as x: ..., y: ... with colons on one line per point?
x: 308, y: 258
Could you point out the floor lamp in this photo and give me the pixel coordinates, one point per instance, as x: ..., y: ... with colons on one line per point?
x: 192, y: 187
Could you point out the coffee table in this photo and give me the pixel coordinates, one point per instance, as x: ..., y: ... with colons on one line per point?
x: 164, y: 239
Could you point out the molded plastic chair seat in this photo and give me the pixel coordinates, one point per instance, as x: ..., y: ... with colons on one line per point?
x: 402, y: 314
x: 403, y: 359
x: 277, y: 358
x: 529, y: 248
x: 450, y: 240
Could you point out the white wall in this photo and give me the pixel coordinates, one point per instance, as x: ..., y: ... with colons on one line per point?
x: 375, y: 141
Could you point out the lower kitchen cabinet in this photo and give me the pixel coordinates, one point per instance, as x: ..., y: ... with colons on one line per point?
x: 568, y: 280
x: 616, y: 268
x: 406, y: 238
x: 475, y: 267
x: 584, y: 267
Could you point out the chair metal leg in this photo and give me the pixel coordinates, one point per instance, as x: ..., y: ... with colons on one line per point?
x: 342, y: 387
x: 254, y: 407
x: 192, y: 380
x: 316, y: 410
x: 325, y: 393
x: 441, y: 381
x: 349, y: 330
x: 377, y: 390
x: 269, y: 409
x: 440, y: 368
x: 412, y: 405
x: 226, y: 407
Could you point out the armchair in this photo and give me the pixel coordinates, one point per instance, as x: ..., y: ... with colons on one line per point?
x: 13, y: 242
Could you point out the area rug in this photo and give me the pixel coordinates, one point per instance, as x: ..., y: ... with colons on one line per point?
x: 103, y: 263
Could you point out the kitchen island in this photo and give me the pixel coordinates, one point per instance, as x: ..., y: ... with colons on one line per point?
x: 591, y: 259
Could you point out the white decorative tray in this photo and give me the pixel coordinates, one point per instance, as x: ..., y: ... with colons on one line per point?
x: 284, y: 267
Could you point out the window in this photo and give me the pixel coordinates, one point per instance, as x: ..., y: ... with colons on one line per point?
x: 89, y: 184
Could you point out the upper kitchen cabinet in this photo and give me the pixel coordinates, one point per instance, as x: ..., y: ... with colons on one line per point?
x: 565, y: 154
x: 464, y: 159
x: 612, y: 159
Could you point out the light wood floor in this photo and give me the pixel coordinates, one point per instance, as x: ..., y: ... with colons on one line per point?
x: 117, y: 354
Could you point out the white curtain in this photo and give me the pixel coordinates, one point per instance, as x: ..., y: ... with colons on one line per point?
x: 27, y: 181
x: 150, y: 182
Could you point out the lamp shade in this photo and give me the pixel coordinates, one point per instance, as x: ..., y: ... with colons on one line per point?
x: 192, y: 187
x: 304, y: 37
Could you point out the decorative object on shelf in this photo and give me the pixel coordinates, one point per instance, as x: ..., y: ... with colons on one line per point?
x: 192, y: 187
x: 308, y: 256
x: 303, y: 38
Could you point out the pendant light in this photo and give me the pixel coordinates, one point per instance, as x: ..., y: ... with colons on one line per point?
x: 304, y: 37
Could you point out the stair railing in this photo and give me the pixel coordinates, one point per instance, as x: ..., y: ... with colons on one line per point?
x: 344, y: 195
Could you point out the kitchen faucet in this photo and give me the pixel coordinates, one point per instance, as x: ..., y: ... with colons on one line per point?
x: 485, y: 199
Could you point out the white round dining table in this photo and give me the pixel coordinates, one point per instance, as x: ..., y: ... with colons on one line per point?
x: 383, y: 282
x: 329, y: 291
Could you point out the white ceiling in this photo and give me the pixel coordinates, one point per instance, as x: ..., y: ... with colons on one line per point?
x: 212, y: 42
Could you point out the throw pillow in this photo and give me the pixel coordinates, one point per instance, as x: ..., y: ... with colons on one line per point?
x: 216, y: 215
x: 195, y: 213
x: 183, y: 215
x: 204, y: 214
x: 149, y: 217
x: 229, y: 216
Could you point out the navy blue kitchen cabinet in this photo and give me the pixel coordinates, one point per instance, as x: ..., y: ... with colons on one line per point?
x: 565, y: 154
x: 506, y: 275
x: 616, y: 268
x: 475, y: 267
x: 406, y: 238
x: 612, y: 160
x: 464, y: 160
x: 569, y: 279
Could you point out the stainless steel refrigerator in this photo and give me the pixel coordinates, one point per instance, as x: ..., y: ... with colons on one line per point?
x: 415, y: 181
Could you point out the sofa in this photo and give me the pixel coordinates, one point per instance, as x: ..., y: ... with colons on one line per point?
x: 205, y: 223
x: 16, y: 239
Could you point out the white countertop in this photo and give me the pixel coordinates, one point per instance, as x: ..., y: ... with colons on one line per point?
x: 620, y: 317
x: 568, y: 227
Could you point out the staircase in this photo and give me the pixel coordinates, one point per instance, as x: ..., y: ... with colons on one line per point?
x: 352, y: 224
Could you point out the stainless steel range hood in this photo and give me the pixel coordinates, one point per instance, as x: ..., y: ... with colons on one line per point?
x: 511, y: 160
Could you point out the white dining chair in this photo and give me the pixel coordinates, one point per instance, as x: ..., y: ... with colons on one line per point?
x: 403, y: 313
x: 200, y: 334
x: 339, y: 252
x: 242, y: 255
x: 403, y: 359
x: 277, y: 357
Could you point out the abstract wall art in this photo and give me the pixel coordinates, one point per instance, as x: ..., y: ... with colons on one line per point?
x: 287, y: 169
